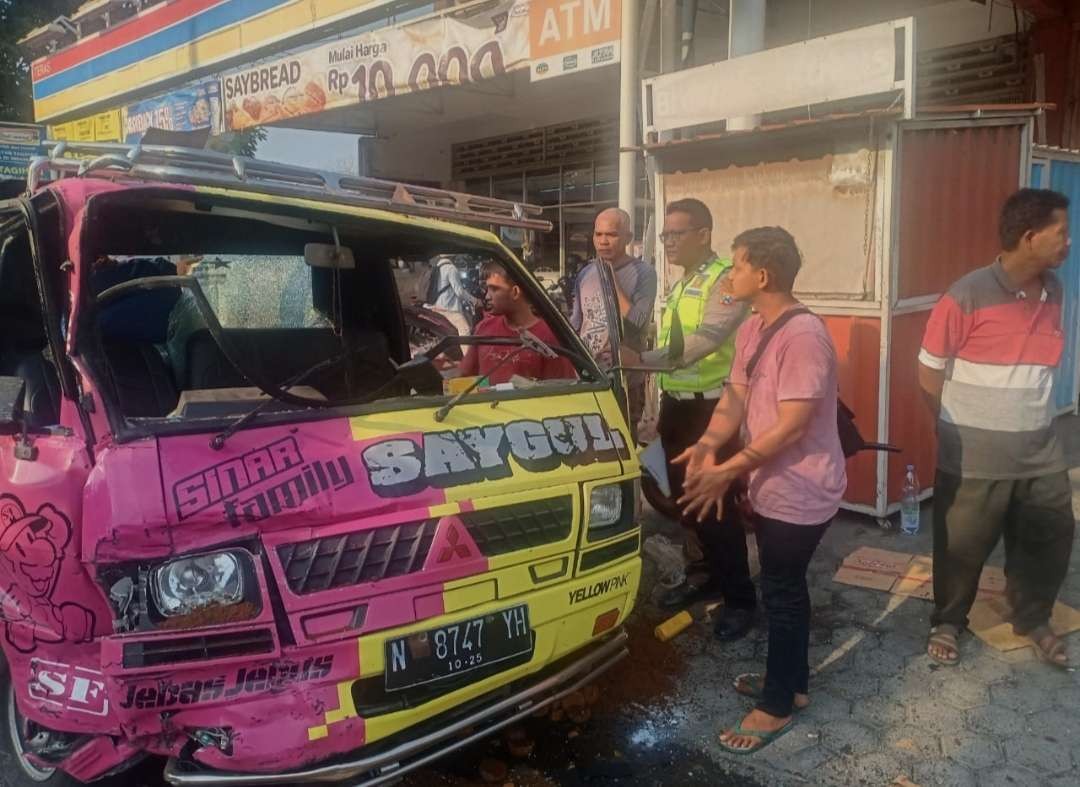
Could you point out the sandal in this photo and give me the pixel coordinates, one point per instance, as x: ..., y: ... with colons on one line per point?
x: 1049, y: 647
x: 764, y: 738
x: 944, y: 636
x: 752, y: 685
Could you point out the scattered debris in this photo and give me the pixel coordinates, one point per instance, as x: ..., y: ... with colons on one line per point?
x: 673, y: 626
x: 592, y: 694
x: 518, y: 742
x: 493, y: 771
x: 903, y: 781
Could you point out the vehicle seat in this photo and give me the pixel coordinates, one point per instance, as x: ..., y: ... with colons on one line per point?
x: 23, y: 343
x: 281, y: 353
x: 132, y: 330
x: 23, y: 353
x: 142, y: 379
x: 41, y: 397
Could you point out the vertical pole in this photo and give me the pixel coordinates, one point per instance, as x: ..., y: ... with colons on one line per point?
x: 670, y: 36
x: 746, y: 34
x: 629, y: 89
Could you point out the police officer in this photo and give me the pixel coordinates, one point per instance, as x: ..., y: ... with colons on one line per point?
x: 709, y: 320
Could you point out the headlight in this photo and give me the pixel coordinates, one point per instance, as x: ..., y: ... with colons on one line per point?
x: 605, y: 505
x: 192, y: 583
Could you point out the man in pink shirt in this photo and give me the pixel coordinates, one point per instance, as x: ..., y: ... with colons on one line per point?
x: 782, y: 394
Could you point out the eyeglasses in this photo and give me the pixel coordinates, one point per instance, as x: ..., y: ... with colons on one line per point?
x: 676, y: 235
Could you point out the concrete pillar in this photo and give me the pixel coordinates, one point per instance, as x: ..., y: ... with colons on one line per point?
x: 629, y: 93
x: 746, y: 34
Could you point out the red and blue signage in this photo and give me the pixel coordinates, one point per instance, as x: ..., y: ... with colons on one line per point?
x: 169, y: 43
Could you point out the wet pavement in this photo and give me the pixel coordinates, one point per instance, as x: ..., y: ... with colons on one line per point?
x: 631, y: 734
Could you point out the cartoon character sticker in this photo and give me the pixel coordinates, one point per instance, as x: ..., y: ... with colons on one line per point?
x: 31, y: 554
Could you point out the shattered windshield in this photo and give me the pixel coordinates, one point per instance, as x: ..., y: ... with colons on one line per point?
x: 264, y: 318
x: 250, y: 292
x: 215, y: 334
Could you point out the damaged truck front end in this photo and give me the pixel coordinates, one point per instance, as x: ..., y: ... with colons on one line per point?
x: 241, y: 529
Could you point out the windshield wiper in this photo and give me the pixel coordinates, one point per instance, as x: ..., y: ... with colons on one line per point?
x: 218, y: 441
x: 419, y: 373
x: 584, y: 362
x: 527, y: 341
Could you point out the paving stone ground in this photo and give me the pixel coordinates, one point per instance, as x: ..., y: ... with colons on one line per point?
x: 881, y: 708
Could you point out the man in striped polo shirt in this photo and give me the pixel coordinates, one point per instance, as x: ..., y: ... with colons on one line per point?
x: 987, y: 366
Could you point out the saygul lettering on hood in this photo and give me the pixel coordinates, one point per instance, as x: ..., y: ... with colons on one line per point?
x: 402, y: 466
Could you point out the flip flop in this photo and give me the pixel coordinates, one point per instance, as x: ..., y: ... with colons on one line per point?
x: 945, y: 635
x: 1047, y: 655
x: 764, y: 738
x: 752, y: 685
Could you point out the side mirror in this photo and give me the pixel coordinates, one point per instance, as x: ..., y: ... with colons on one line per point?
x: 600, y: 301
x: 12, y: 418
x: 11, y: 405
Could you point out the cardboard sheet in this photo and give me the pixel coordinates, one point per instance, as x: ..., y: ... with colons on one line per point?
x: 987, y: 621
x: 877, y: 569
x: 917, y: 580
x: 904, y: 574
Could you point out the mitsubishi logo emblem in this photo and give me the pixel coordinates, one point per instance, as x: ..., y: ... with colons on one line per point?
x: 454, y: 546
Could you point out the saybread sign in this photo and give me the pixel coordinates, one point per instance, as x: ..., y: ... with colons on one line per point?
x: 444, y: 51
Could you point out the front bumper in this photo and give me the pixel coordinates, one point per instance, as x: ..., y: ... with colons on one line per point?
x: 392, y: 763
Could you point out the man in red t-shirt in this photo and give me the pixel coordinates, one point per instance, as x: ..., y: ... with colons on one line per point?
x: 510, y: 313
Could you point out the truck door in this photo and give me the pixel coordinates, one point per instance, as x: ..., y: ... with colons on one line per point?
x: 48, y: 605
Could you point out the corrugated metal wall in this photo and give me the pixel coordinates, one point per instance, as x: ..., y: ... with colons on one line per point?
x: 911, y: 427
x: 953, y: 181
x: 1064, y: 176
x: 858, y: 347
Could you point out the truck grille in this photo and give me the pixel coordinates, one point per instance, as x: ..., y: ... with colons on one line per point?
x: 175, y: 650
x: 394, y: 551
x: 497, y: 531
x: 349, y: 559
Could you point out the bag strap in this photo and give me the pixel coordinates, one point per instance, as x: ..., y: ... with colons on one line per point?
x: 443, y: 261
x: 767, y: 335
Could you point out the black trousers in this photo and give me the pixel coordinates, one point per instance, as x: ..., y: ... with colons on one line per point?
x: 972, y: 514
x: 682, y: 423
x: 785, y: 550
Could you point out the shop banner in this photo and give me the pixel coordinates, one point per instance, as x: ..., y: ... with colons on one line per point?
x: 191, y: 108
x: 438, y: 52
x: 104, y: 127
x: 567, y: 37
x: 18, y: 144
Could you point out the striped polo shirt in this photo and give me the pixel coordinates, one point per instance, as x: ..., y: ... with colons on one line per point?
x: 1000, y: 352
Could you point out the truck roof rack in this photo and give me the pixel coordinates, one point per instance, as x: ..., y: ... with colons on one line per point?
x: 195, y: 167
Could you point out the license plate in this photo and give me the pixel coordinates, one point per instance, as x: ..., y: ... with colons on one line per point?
x: 458, y: 648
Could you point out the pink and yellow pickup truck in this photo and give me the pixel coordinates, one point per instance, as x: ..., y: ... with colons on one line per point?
x: 240, y: 527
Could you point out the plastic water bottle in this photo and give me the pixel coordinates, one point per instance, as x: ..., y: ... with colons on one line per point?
x: 909, y: 503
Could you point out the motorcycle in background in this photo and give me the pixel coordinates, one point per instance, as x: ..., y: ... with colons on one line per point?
x: 426, y: 329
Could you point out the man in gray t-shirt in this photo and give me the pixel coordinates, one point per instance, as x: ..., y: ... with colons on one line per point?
x: 635, y: 284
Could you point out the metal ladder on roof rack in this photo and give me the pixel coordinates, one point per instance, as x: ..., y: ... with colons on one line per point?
x: 207, y: 168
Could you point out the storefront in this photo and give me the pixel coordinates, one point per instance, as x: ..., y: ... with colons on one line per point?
x: 889, y: 206
x: 570, y: 169
x: 512, y: 98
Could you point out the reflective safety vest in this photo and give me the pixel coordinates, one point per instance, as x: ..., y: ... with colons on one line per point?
x: 689, y: 298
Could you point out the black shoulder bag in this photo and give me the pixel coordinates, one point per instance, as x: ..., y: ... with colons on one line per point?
x: 851, y: 442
